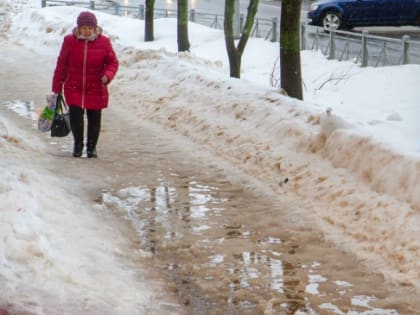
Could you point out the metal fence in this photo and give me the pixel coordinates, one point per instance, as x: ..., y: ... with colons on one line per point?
x: 361, y: 48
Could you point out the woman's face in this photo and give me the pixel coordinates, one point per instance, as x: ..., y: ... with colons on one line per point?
x: 86, y: 31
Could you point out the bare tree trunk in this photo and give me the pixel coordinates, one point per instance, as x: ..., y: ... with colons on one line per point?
x: 290, y: 68
x: 235, y: 52
x: 233, y: 55
x: 148, y: 21
x: 182, y: 29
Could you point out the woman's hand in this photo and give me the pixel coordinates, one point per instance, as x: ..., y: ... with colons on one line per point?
x: 104, y: 80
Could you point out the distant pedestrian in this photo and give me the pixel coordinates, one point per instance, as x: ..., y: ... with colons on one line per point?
x: 85, y: 66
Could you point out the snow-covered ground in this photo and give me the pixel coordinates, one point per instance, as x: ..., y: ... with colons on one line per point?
x: 357, y: 169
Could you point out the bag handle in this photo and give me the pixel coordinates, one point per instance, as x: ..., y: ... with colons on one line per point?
x: 60, y: 104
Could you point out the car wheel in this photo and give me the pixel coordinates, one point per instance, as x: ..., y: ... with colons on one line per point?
x: 331, y: 19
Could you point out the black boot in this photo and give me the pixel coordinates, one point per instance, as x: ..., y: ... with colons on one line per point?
x: 91, y: 151
x: 78, y: 149
x: 94, y: 127
x: 76, y: 121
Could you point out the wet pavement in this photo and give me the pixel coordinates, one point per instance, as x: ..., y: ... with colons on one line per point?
x: 222, y: 244
x: 225, y: 249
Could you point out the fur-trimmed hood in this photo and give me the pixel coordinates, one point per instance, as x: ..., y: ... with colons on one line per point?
x: 98, y: 31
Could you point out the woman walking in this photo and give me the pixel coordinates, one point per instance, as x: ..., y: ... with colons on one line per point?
x: 85, y: 66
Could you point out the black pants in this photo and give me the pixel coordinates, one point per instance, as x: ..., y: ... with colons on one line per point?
x: 77, y: 125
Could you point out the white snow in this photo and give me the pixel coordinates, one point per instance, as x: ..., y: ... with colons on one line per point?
x: 357, y: 169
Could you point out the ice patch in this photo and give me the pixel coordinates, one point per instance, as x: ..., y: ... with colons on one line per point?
x: 24, y: 109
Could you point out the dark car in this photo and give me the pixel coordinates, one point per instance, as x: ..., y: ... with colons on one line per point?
x: 351, y: 13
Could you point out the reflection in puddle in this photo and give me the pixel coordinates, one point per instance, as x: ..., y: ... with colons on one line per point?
x: 313, y: 285
x: 222, y: 259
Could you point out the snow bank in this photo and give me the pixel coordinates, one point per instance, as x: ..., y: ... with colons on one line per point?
x: 56, y: 252
x: 383, y: 169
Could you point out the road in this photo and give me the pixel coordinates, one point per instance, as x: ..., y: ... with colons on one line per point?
x: 268, y: 9
x: 221, y: 247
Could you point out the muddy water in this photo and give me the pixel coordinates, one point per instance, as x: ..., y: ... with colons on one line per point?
x: 228, y: 249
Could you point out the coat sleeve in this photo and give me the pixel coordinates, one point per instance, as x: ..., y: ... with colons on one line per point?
x: 60, y: 72
x: 111, y: 62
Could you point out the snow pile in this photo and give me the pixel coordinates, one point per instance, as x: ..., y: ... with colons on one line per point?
x: 50, y: 257
x: 330, y: 122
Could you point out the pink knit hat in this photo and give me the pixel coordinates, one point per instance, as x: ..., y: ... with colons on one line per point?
x: 87, y: 18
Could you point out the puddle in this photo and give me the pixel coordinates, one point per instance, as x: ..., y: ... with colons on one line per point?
x: 228, y: 251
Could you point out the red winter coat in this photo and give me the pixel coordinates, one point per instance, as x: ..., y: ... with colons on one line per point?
x: 80, y: 67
